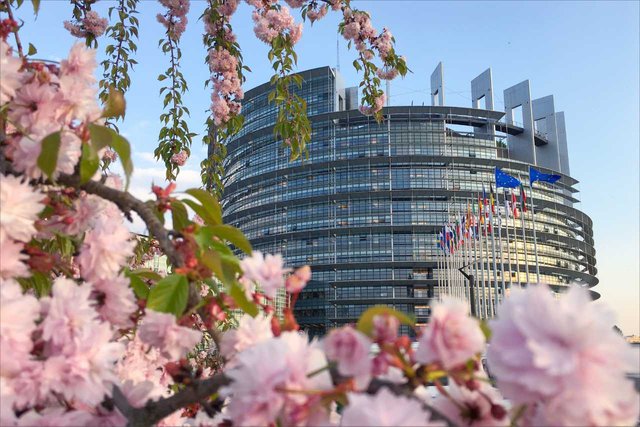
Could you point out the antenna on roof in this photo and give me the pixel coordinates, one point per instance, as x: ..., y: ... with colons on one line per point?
x: 338, y: 52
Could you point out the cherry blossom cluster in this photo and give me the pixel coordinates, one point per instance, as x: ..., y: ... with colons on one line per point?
x: 45, y: 99
x: 175, y: 19
x: 271, y: 21
x: 180, y: 158
x: 91, y: 24
x: 223, y: 65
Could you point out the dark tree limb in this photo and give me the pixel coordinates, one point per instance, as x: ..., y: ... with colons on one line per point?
x: 127, y: 203
x: 155, y: 411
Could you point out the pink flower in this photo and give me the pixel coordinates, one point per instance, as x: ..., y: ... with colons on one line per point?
x: 385, y: 328
x: 94, y: 23
x: 160, y: 330
x: 18, y: 316
x: 116, y: 301
x: 250, y: 331
x: 350, y: 348
x: 105, y: 249
x: 20, y: 208
x: 228, y: 8
x: 37, y: 106
x: 87, y: 375
x: 80, y: 64
x: 266, y: 371
x: 545, y: 349
x: 266, y: 271
x: 387, y: 74
x: 451, y: 337
x: 27, y: 149
x: 384, y: 409
x: 317, y: 14
x: 10, y: 76
x: 298, y: 280
x: 180, y: 158
x: 141, y: 363
x: 12, y: 259
x: 70, y: 318
x: 473, y: 408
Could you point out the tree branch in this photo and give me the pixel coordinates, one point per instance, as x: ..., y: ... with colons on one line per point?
x: 127, y: 203
x: 155, y: 411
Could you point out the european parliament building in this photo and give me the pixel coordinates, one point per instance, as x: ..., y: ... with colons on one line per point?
x: 364, y: 210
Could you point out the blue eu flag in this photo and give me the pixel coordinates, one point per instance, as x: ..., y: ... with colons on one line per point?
x: 505, y: 180
x: 536, y: 175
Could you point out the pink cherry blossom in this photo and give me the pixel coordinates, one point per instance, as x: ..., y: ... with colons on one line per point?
x: 451, y: 337
x: 384, y: 409
x: 87, y: 375
x: 94, y: 23
x: 116, y: 301
x: 298, y: 279
x: 70, y: 317
x: 266, y: 271
x: 10, y: 76
x: 179, y: 159
x: 37, y: 106
x: 250, y: 331
x: 105, y: 249
x: 18, y: 316
x: 473, y: 408
x: 263, y: 373
x: 350, y: 348
x: 27, y: 149
x: 80, y: 64
x: 545, y: 349
x: 385, y: 328
x: 317, y: 14
x: 160, y: 330
x: 141, y: 363
x: 11, y: 258
x: 228, y: 8
x: 21, y: 205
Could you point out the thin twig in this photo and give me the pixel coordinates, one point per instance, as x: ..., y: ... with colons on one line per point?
x: 15, y: 33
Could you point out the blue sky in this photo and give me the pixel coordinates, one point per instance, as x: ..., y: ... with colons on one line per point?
x: 584, y: 53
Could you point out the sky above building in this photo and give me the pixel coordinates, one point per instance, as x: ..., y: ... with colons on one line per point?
x: 584, y: 53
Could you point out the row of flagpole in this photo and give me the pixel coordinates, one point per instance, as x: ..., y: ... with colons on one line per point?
x: 470, y: 258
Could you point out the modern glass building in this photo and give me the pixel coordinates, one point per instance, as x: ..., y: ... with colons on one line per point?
x: 365, y: 208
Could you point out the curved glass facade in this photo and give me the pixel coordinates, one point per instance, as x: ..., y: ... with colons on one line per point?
x: 365, y: 208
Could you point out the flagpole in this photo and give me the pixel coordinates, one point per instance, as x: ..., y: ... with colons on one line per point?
x: 495, y: 268
x: 502, y: 285
x: 506, y: 216
x: 482, y: 269
x: 535, y: 236
x: 524, y: 238
x: 514, y: 204
x: 475, y: 271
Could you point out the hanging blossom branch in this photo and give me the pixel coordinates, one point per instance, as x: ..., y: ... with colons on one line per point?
x: 224, y: 60
x: 119, y: 55
x: 175, y: 139
x: 86, y: 23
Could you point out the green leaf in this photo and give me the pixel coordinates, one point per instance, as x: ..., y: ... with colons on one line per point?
x: 36, y: 7
x: 101, y: 136
x: 365, y: 323
x: 48, y: 157
x: 88, y: 163
x: 116, y: 104
x: 486, y: 330
x: 233, y: 235
x: 209, y: 203
x: 122, y: 147
x: 179, y: 215
x: 32, y: 50
x: 213, y: 262
x: 169, y: 295
x: 139, y: 287
x: 145, y: 273
x: 241, y: 300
